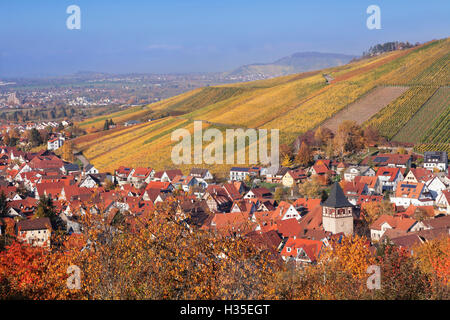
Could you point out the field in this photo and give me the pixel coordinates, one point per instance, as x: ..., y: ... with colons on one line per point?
x: 369, y: 89
x: 427, y: 125
x: 365, y: 107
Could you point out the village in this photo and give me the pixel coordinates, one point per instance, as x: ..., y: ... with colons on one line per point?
x: 397, y: 198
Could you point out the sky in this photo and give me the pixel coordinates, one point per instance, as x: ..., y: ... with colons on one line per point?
x: 180, y: 36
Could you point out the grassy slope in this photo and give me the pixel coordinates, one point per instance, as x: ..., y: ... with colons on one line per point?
x: 293, y: 104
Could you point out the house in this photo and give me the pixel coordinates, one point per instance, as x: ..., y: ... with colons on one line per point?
x: 201, y: 174
x: 55, y: 143
x: 437, y: 223
x: 195, y: 212
x: 275, y: 176
x: 90, y: 169
x: 353, y: 171
x: 354, y: 190
x: 408, y: 241
x: 70, y: 168
x: 238, y: 174
x: 243, y: 206
x: 293, y: 177
x: 391, y: 160
x: 435, y: 186
x: 217, y: 200
x: 123, y: 174
x: 36, y: 232
x: 165, y: 187
x: 389, y: 177
x: 302, y: 250
x: 266, y: 205
x: 258, y: 193
x: 167, y: 175
x: 418, y: 175
x: 92, y: 180
x: 374, y: 186
x: 184, y: 183
x: 401, y: 224
x: 286, y: 210
x: 304, y: 205
x: 269, y: 172
x: 443, y: 201
x: 435, y: 160
x: 141, y: 176
x: 407, y: 194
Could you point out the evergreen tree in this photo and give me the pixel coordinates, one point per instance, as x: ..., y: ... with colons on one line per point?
x: 35, y: 137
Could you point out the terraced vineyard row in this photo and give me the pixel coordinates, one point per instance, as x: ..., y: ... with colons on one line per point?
x: 437, y: 74
x: 421, y: 148
x: 416, y: 68
x: 392, y: 118
x: 425, y: 119
x: 440, y: 131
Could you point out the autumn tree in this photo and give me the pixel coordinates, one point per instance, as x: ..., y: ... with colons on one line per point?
x: 67, y: 151
x: 371, y: 211
x: 323, y: 135
x: 434, y: 259
x: 279, y: 194
x: 371, y: 135
x: 159, y: 257
x: 28, y: 272
x: 286, y: 150
x: 349, y: 137
x: 287, y: 161
x: 304, y: 155
x: 311, y: 188
x: 402, y: 278
x: 46, y: 208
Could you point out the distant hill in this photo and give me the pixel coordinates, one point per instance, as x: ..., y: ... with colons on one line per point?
x: 295, y: 63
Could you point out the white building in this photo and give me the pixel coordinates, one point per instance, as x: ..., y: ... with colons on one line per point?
x: 55, y: 143
x: 435, y: 159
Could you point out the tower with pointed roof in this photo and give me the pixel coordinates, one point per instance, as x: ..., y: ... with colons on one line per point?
x: 337, y: 212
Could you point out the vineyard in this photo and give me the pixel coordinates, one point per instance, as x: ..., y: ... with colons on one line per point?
x: 392, y: 118
x: 421, y: 127
x: 440, y: 131
x: 423, y: 147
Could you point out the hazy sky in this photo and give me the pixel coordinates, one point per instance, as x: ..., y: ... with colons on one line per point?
x: 196, y: 35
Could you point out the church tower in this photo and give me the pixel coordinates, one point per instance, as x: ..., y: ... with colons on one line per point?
x: 337, y: 212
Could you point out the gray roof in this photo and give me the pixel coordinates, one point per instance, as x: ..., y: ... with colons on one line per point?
x: 71, y: 167
x: 337, y: 199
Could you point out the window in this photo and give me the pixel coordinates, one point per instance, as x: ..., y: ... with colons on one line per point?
x: 288, y: 249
